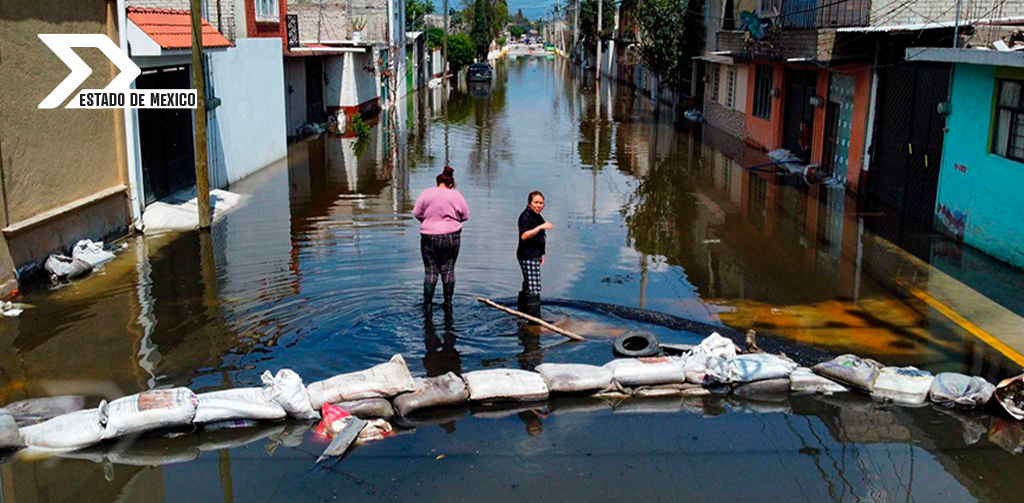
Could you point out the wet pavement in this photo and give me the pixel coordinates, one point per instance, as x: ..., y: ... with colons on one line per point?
x: 320, y: 272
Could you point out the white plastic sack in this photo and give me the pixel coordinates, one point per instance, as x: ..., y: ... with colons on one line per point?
x: 505, y: 384
x: 902, y: 385
x: 633, y: 372
x: 712, y: 349
x: 91, y: 252
x: 150, y: 410
x: 952, y: 389
x: 574, y: 377
x: 9, y: 436
x: 241, y: 403
x: 287, y: 390
x: 63, y: 266
x: 850, y: 370
x: 382, y: 381
x: 749, y: 368
x: 68, y: 432
x: 445, y: 390
x: 804, y: 380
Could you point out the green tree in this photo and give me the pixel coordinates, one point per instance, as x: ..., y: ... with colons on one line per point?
x: 481, y: 32
x: 435, y: 37
x: 516, y: 31
x: 460, y: 51
x: 498, y: 17
x: 519, y: 19
x: 588, y: 20
x: 671, y: 34
x: 415, y: 10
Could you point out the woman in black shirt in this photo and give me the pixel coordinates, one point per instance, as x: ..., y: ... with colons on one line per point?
x: 530, y: 252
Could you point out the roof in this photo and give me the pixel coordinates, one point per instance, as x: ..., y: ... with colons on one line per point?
x: 172, y: 29
x: 931, y: 25
x: 972, y: 56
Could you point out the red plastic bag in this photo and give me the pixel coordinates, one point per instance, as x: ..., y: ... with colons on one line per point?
x: 333, y: 420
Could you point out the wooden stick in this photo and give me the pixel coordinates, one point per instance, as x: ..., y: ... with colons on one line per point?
x: 572, y: 335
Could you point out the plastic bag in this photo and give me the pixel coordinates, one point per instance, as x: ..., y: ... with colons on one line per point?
x: 91, y: 252
x: 445, y: 390
x: 751, y: 367
x: 375, y: 429
x: 1010, y: 394
x: 574, y: 378
x: 10, y: 438
x: 287, y: 390
x: 950, y: 389
x: 902, y: 385
x: 241, y: 403
x: 804, y: 380
x: 850, y: 370
x: 368, y: 408
x: 632, y: 372
x: 150, y: 410
x: 37, y: 410
x: 63, y: 266
x: 382, y: 381
x: 69, y: 431
x: 505, y: 384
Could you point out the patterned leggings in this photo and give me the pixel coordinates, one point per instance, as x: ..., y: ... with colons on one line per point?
x: 531, y: 275
x: 440, y: 251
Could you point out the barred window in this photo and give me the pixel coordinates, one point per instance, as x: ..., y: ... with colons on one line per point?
x: 1008, y: 137
x: 764, y: 78
x: 267, y: 10
x: 730, y: 90
x: 716, y: 79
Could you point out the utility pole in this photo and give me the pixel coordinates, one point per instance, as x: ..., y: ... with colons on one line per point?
x: 444, y: 44
x: 575, y: 25
x: 199, y: 80
x: 597, y: 73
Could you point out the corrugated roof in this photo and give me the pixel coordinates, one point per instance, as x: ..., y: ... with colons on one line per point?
x: 172, y: 29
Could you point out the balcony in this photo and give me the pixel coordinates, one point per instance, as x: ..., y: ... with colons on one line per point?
x: 819, y: 14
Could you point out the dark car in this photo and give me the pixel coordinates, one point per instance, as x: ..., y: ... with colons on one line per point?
x: 479, y: 72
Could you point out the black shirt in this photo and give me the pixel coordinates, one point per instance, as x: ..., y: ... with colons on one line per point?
x: 533, y: 247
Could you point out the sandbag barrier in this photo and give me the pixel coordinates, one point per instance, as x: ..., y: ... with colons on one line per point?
x: 358, y: 405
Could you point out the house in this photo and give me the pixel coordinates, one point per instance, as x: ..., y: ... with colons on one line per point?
x: 982, y: 161
x: 63, y: 172
x: 725, y: 82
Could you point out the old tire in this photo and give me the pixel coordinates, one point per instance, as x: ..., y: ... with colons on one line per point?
x: 636, y: 344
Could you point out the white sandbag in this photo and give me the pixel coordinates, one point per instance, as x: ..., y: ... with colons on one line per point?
x: 951, y: 389
x: 287, y: 390
x: 750, y: 368
x: 37, y: 410
x: 368, y: 408
x: 68, y: 432
x: 91, y: 252
x: 851, y: 370
x: 574, y: 377
x: 505, y: 384
x: 714, y: 346
x: 382, y: 381
x: 150, y: 410
x: 10, y: 438
x: 804, y: 380
x: 63, y: 266
x: 241, y: 403
x: 633, y: 372
x: 440, y: 391
x: 902, y: 385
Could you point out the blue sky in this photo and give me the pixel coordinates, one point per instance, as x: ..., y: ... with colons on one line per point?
x: 532, y: 9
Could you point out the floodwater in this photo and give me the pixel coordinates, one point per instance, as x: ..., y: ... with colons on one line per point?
x: 320, y: 272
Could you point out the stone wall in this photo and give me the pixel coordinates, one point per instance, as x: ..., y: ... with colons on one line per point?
x: 724, y: 118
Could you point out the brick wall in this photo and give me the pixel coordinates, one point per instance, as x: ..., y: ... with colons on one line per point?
x: 222, y: 18
x: 326, y: 20
x: 725, y: 118
x: 263, y: 29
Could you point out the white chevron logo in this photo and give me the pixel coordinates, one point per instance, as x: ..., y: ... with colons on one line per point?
x: 61, y: 45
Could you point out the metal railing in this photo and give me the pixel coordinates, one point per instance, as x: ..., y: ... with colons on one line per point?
x: 824, y: 13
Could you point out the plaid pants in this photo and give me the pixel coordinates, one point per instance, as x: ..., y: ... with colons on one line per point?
x: 440, y: 251
x: 531, y: 275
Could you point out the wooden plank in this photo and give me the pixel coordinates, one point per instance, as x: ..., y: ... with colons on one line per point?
x: 572, y: 335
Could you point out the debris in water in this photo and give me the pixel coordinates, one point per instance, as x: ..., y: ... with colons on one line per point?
x: 439, y: 457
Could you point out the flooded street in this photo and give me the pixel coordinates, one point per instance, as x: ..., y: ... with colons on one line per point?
x: 320, y: 272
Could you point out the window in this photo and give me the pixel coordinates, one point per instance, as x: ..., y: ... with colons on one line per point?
x: 266, y: 10
x: 730, y: 90
x: 764, y: 77
x: 1008, y: 137
x: 716, y: 80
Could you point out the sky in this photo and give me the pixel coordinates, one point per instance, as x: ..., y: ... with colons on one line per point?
x: 533, y: 9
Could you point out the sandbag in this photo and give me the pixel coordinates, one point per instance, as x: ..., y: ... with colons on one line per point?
x: 804, y: 380
x: 574, y: 377
x: 633, y: 372
x: 850, y: 370
x: 62, y: 266
x: 10, y: 438
x: 765, y: 390
x: 37, y: 410
x: 1010, y: 395
x: 368, y: 408
x: 69, y: 431
x: 505, y: 384
x: 382, y: 381
x: 750, y: 368
x: 951, y: 389
x: 902, y: 385
x: 150, y: 410
x: 91, y: 252
x: 664, y: 390
x: 440, y: 391
x: 241, y: 403
x: 286, y: 389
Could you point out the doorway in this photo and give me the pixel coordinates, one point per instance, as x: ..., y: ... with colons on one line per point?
x: 801, y: 85
x: 166, y: 142
x: 315, y: 109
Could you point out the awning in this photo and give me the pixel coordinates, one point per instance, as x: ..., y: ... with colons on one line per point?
x: 160, y: 32
x: 318, y: 49
x: 971, y: 56
x: 721, y: 58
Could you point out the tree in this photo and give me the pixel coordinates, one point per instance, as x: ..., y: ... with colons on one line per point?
x: 671, y: 34
x: 415, y: 11
x: 588, y: 20
x: 519, y: 19
x: 516, y: 31
x: 460, y: 51
x: 498, y: 17
x: 481, y: 32
x: 435, y: 37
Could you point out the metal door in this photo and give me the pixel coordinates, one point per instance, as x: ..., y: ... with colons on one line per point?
x: 800, y: 86
x: 166, y: 142
x: 315, y: 109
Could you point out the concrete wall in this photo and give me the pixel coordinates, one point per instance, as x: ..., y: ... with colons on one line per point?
x: 222, y: 18
x: 436, y: 63
x: 321, y: 20
x: 248, y: 131
x: 295, y: 94
x: 978, y: 198
x: 349, y: 85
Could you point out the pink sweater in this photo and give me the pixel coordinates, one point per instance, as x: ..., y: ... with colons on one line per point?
x: 441, y: 211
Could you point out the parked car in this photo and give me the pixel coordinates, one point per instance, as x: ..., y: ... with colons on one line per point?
x: 479, y: 72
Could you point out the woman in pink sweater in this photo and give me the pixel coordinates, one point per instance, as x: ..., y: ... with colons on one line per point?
x: 441, y: 211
